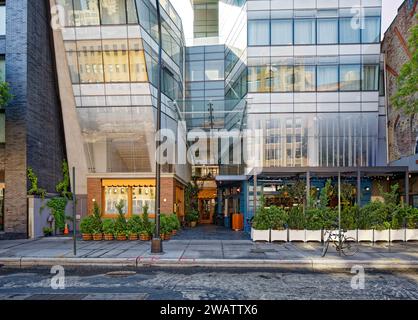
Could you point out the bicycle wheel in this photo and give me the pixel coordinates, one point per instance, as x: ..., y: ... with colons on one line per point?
x: 325, y: 249
x: 349, y: 246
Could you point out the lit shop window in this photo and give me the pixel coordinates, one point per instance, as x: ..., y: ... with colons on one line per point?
x: 143, y: 196
x: 113, y: 195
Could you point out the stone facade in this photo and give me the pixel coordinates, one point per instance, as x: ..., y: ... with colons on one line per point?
x: 402, y: 129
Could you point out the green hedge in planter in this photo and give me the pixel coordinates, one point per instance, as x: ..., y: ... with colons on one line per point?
x: 405, y: 216
x: 135, y: 225
x: 296, y: 219
x: 314, y: 219
x: 261, y: 220
x: 109, y: 226
x: 278, y: 218
x: 349, y: 215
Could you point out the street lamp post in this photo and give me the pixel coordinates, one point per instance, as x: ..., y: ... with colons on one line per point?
x: 156, y: 243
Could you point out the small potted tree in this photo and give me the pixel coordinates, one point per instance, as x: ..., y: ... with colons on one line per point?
x: 146, y: 227
x: 134, y: 227
x: 175, y: 223
x: 121, y: 228
x: 86, y: 228
x: 278, y: 220
x: 108, y: 229
x: 165, y: 227
x: 411, y: 224
x: 380, y: 223
x: 314, y: 224
x: 192, y: 217
x: 260, y: 229
x: 296, y: 224
x: 365, y: 230
x: 97, y: 225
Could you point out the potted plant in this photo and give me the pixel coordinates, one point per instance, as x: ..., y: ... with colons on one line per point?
x: 364, y: 223
x: 165, y: 227
x: 314, y: 224
x: 97, y: 225
x: 86, y: 228
x: 398, y: 224
x: 296, y: 223
x: 260, y: 229
x: 349, y: 216
x: 278, y: 222
x: 121, y: 228
x: 175, y: 223
x: 108, y: 229
x: 192, y: 217
x: 146, y: 227
x: 380, y: 222
x: 134, y: 227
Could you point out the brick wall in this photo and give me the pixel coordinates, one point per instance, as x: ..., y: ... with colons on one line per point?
x: 402, y: 130
x: 168, y: 193
x: 94, y: 192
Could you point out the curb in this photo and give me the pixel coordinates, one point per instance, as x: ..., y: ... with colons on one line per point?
x: 307, y: 264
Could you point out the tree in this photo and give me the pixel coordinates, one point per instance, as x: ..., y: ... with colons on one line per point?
x: 406, y: 96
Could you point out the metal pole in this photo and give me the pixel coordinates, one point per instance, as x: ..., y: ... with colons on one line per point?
x: 339, y: 211
x: 407, y: 188
x: 255, y: 194
x: 74, y: 216
x: 156, y: 243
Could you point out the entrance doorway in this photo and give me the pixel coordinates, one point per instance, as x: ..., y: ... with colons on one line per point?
x: 206, y: 210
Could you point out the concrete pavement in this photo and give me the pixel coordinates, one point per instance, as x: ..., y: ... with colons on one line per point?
x: 208, y: 253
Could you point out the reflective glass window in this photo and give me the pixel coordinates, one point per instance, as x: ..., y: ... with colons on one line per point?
x: 370, y: 77
x: 196, y: 71
x: 349, y: 31
x: 131, y: 10
x: 2, y: 68
x: 115, y: 59
x: 90, y: 61
x: 214, y: 70
x: 281, y: 78
x: 86, y: 13
x: 71, y: 49
x: 305, y: 32
x: 371, y: 31
x: 282, y: 32
x: 258, y: 32
x: 143, y: 196
x: 259, y: 79
x: 113, y: 11
x: 137, y: 65
x: 350, y: 77
x: 68, y: 11
x: 305, y: 79
x: 327, y: 31
x: 327, y: 78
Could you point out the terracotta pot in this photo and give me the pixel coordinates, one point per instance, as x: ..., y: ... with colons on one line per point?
x: 98, y: 237
x: 87, y: 237
x: 108, y: 237
x: 174, y: 232
x: 121, y: 237
x: 193, y: 224
x: 133, y: 237
x: 165, y: 236
x: 144, y: 237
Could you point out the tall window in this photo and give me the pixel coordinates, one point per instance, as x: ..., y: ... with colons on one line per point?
x: 206, y: 19
x: 371, y: 31
x: 327, y: 31
x: 259, y: 79
x: 258, y: 32
x: 90, y: 61
x: 281, y: 32
x: 115, y: 60
x: 281, y: 78
x: 305, y: 31
x: 348, y: 34
x: 113, y: 195
x: 137, y: 65
x: 370, y: 78
x: 305, y: 79
x: 113, y: 11
x: 350, y: 78
x: 86, y: 13
x: 2, y: 17
x: 327, y: 78
x: 214, y: 70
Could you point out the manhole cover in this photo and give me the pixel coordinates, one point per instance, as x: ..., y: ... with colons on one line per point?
x: 120, y: 273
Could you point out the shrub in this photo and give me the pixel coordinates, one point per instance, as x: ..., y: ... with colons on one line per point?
x: 57, y: 206
x: 404, y: 216
x: 147, y: 226
x: 174, y: 221
x: 86, y: 225
x: 296, y: 219
x: 121, y: 227
x: 97, y: 224
x: 135, y: 225
x: 278, y: 218
x: 109, y: 226
x: 374, y: 215
x: 165, y: 224
x: 192, y: 216
x: 349, y: 215
x: 314, y: 219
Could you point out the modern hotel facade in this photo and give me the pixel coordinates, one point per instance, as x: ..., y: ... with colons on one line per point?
x: 307, y: 74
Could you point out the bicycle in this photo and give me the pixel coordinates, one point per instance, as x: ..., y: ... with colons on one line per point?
x: 348, y: 244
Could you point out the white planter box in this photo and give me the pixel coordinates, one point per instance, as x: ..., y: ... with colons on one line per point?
x: 365, y: 235
x: 397, y: 235
x: 351, y: 234
x: 411, y: 234
x: 381, y: 235
x: 278, y: 235
x: 260, y: 235
x: 297, y: 235
x: 313, y: 235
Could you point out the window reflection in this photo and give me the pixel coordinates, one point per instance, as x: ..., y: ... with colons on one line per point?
x: 90, y: 61
x: 305, y: 79
x: 86, y: 13
x: 143, y: 196
x: 115, y: 59
x: 113, y: 11
x: 282, y: 78
x: 113, y: 195
x: 349, y: 77
x: 259, y: 79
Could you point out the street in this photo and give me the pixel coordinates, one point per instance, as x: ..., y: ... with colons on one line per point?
x: 151, y: 283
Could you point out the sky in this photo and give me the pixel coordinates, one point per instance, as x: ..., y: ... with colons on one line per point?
x: 390, y: 9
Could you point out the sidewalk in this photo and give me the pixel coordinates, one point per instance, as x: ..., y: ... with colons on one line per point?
x: 207, y: 253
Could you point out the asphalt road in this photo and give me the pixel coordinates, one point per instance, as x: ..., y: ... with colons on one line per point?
x: 202, y: 283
